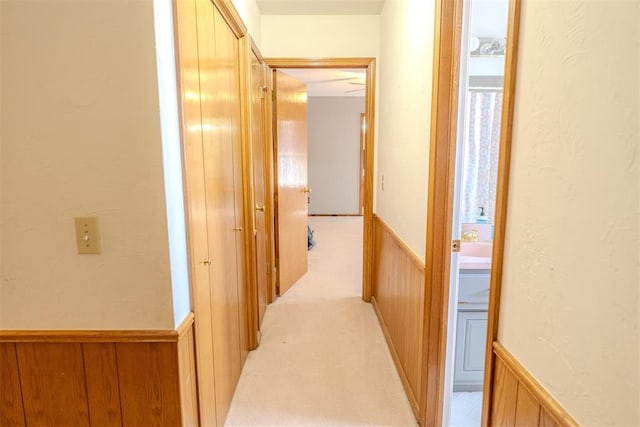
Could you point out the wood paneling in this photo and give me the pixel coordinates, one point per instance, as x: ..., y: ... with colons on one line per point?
x: 527, y: 408
x: 398, y: 298
x: 148, y: 372
x: 187, y: 375
x: 519, y: 399
x: 505, y: 397
x: 108, y: 383
x: 11, y: 411
x: 53, y: 384
x: 103, y: 391
x: 291, y: 196
x: 546, y: 420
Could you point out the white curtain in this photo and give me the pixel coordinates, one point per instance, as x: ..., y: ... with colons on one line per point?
x: 480, y: 158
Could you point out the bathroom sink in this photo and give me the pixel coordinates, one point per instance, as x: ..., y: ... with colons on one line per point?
x: 476, y: 249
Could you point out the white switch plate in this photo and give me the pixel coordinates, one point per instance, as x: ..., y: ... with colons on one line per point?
x: 87, y: 235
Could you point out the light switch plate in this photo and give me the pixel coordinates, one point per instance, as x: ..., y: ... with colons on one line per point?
x: 87, y: 235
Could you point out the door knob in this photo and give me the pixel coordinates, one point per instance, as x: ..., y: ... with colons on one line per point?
x: 206, y: 261
x: 306, y: 190
x: 237, y: 229
x: 260, y: 208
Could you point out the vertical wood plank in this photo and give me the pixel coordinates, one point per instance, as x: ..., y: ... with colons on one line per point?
x: 53, y: 384
x: 505, y: 392
x: 187, y: 372
x: 546, y: 420
x: 527, y: 408
x: 148, y: 380
x: 11, y: 410
x: 103, y: 392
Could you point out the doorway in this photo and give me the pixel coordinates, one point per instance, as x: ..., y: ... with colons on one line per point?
x: 368, y: 66
x: 481, y: 77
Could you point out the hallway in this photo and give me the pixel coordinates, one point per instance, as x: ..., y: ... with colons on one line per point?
x: 323, y: 359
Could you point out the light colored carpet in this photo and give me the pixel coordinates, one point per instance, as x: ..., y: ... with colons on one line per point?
x: 323, y: 359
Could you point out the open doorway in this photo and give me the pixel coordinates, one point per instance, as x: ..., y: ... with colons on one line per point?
x: 351, y: 78
x: 481, y: 81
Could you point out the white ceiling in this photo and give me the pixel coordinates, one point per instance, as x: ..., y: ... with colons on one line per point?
x: 332, y: 82
x: 320, y: 7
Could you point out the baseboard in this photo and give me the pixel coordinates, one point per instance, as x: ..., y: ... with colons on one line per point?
x: 396, y: 359
x: 519, y: 399
x: 354, y: 214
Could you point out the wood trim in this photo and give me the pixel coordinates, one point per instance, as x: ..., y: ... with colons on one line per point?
x: 542, y: 397
x: 368, y: 238
x: 89, y: 336
x: 370, y: 101
x: 396, y: 358
x: 504, y: 166
x: 231, y: 16
x: 97, y: 336
x: 403, y: 246
x: 361, y: 149
x: 270, y: 172
x: 444, y: 115
x: 250, y: 250
x: 319, y: 62
x: 186, y: 325
x: 256, y: 51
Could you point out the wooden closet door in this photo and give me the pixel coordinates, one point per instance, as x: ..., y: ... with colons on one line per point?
x: 228, y: 52
x: 220, y: 129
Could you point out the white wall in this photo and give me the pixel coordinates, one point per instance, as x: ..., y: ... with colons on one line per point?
x: 251, y: 16
x: 406, y: 69
x: 80, y: 135
x: 320, y: 35
x: 569, y: 305
x: 334, y: 153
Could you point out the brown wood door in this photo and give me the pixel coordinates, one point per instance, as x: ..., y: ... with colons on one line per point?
x: 192, y: 139
x: 291, y: 173
x: 258, y: 105
x: 220, y: 109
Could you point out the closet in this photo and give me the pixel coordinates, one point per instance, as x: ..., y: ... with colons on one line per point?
x: 208, y: 63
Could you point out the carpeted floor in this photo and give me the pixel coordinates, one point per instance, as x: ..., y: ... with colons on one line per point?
x: 322, y: 359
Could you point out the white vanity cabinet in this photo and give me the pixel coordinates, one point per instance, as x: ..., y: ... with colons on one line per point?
x: 471, y: 331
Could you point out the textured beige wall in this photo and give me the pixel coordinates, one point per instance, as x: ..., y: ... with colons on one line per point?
x: 80, y: 135
x: 569, y: 307
x: 320, y: 35
x: 406, y: 69
x: 250, y: 14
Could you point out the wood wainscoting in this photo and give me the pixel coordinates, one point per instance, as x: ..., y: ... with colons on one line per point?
x: 98, y: 378
x: 519, y: 399
x: 398, y: 299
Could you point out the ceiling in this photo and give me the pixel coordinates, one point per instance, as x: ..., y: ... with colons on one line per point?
x: 330, y: 82
x: 320, y: 7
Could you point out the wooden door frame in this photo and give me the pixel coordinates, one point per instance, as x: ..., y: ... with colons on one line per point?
x: 444, y: 118
x: 368, y: 64
x: 361, y: 176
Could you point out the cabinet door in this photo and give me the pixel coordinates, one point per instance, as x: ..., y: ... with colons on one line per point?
x: 470, y: 350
